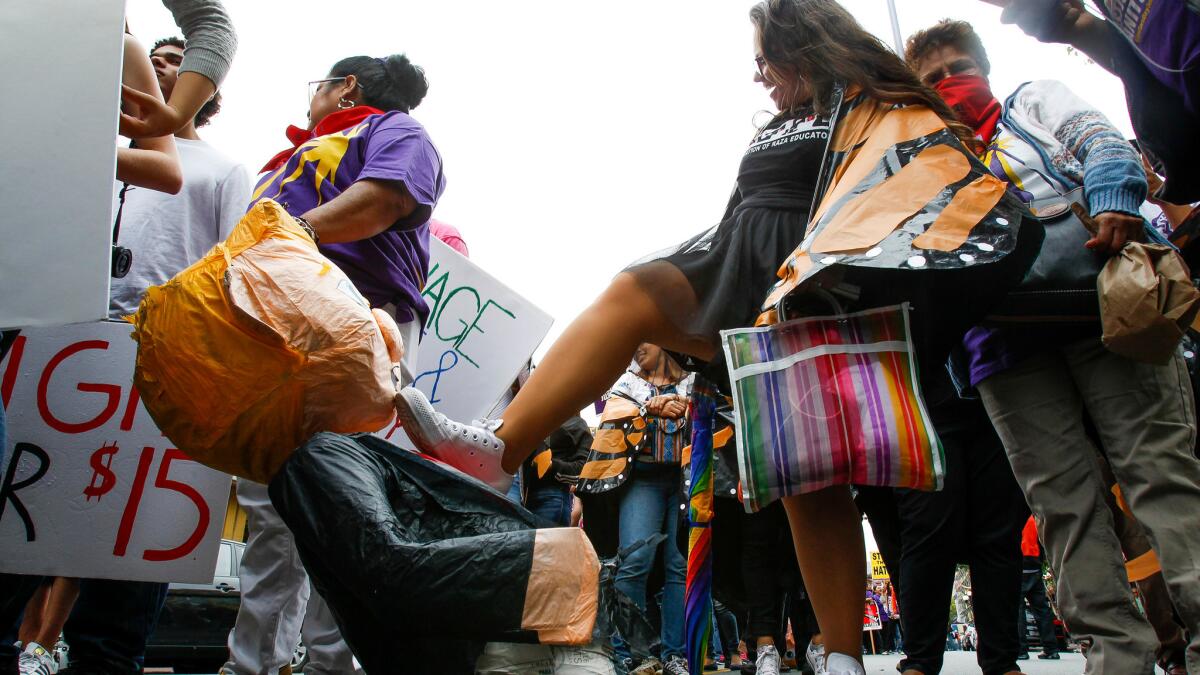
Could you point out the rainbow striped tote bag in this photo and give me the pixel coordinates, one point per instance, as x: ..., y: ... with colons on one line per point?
x: 830, y: 400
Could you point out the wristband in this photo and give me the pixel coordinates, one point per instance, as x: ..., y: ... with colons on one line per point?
x: 307, y: 228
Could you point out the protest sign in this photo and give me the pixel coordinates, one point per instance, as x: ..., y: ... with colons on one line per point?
x: 878, y: 569
x: 57, y: 180
x: 871, y: 619
x: 478, y: 337
x: 89, y: 487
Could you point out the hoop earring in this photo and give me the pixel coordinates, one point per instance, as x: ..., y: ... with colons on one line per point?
x: 344, y: 104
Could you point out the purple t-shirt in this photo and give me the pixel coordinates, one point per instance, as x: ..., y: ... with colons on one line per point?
x: 389, y: 268
x: 1167, y: 35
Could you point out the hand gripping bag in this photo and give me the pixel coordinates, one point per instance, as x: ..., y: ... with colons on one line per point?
x: 259, y: 345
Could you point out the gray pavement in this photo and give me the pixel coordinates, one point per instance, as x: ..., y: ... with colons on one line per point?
x: 963, y: 663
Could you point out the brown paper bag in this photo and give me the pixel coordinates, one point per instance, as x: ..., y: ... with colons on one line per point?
x: 1147, y: 301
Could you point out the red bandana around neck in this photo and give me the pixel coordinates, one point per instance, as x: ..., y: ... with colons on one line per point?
x: 971, y: 97
x: 332, y: 123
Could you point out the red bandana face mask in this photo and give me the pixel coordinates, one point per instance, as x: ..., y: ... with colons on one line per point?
x: 971, y: 98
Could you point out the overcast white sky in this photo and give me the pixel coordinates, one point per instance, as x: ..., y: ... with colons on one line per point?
x: 576, y: 136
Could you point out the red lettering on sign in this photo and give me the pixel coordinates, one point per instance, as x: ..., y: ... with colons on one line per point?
x: 111, y: 390
x: 161, y: 481
x: 10, y: 373
x: 135, y: 500
x: 130, y: 409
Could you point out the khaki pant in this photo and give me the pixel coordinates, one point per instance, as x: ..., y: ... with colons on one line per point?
x: 1145, y: 418
x: 277, y: 604
x: 503, y: 658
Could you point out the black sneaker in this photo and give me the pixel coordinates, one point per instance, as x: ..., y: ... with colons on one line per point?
x: 1049, y: 656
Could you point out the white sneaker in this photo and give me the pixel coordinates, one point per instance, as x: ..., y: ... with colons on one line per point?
x: 815, y: 655
x: 35, y: 660
x: 675, y: 665
x: 840, y: 664
x: 767, y: 660
x: 470, y: 448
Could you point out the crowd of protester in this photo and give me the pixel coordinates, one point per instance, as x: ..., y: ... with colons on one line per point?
x: 1063, y: 459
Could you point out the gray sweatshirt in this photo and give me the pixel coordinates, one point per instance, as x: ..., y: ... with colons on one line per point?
x: 208, y: 31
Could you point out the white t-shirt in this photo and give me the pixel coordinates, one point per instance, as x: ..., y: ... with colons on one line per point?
x: 167, y: 233
x: 637, y: 388
x: 1153, y: 213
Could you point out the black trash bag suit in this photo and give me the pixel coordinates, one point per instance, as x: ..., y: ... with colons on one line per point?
x: 405, y: 549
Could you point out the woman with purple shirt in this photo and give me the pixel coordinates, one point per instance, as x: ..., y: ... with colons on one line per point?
x: 364, y: 177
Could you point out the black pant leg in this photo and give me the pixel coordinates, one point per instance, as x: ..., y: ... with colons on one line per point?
x: 933, y: 526
x: 889, y: 637
x: 1035, y: 592
x: 996, y: 514
x: 1022, y: 620
x: 110, y: 624
x: 802, y: 616
x: 760, y: 569
x: 729, y: 628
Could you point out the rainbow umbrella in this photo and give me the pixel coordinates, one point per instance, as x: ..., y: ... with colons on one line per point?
x: 698, y: 592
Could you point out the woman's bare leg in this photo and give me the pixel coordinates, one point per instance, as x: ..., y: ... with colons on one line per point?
x: 585, y: 361
x: 827, y: 532
x: 47, y: 611
x: 35, y: 609
x: 63, y: 594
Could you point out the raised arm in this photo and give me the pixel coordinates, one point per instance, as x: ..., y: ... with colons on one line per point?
x: 211, y: 44
x: 1064, y: 21
x: 154, y: 163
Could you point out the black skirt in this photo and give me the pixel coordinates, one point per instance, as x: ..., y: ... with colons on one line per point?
x: 719, y: 279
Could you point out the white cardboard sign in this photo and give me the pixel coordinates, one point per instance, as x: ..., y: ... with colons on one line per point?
x: 56, y: 179
x: 478, y: 336
x: 89, y: 487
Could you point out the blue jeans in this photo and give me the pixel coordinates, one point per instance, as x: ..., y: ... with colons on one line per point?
x: 552, y: 502
x: 650, y: 505
x: 514, y: 490
x: 108, y: 628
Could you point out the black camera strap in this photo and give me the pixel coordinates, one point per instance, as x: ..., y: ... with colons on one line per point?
x: 120, y: 210
x: 121, y: 258
x: 121, y: 203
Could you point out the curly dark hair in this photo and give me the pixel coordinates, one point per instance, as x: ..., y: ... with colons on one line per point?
x: 947, y: 33
x: 388, y: 83
x: 826, y: 45
x: 208, y: 110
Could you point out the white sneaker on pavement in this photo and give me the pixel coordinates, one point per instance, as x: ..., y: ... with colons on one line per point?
x: 840, y: 664
x: 675, y: 665
x: 766, y: 662
x: 470, y: 448
x: 35, y: 660
x: 815, y: 655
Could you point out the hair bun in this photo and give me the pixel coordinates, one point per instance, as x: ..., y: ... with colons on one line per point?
x: 407, y: 77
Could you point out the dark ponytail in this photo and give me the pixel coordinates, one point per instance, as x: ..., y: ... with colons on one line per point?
x: 388, y: 83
